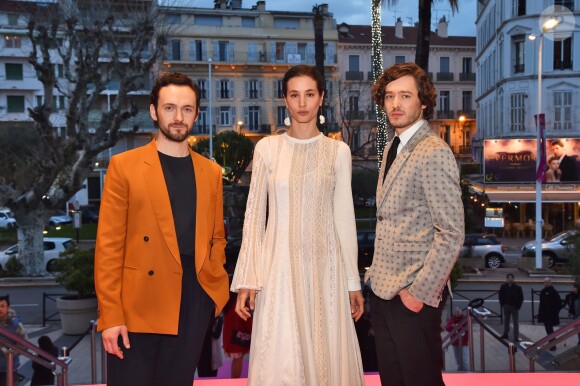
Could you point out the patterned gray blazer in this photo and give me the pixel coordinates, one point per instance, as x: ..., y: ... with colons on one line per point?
x: 420, y: 223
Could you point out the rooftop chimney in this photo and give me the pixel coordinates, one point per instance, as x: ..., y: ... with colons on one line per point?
x: 442, y: 28
x: 236, y: 4
x: 399, y: 28
x: 261, y: 5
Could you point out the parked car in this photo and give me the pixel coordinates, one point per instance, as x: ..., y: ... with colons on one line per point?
x: 366, y: 248
x: 59, y: 218
x: 483, y: 245
x: 89, y: 214
x: 7, y: 220
x: 53, y: 246
x: 558, y: 249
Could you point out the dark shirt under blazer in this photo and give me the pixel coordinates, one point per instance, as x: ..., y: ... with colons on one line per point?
x: 420, y: 221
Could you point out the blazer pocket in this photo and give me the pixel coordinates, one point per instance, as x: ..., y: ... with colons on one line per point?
x: 413, y: 252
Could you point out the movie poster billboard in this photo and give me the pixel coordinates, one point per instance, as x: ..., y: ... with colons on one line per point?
x: 514, y: 160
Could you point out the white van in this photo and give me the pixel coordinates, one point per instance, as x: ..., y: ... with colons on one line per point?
x: 7, y: 220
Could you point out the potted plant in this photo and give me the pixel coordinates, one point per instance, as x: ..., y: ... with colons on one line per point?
x: 75, y: 272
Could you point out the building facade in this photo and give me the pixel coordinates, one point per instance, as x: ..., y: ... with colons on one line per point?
x: 451, y: 66
x: 507, y: 67
x: 238, y: 56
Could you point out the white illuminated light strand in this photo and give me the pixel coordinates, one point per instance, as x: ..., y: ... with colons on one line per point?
x: 376, y: 47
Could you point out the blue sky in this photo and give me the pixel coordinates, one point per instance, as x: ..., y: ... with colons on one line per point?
x: 358, y: 11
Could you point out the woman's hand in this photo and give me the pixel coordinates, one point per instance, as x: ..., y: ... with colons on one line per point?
x: 357, y: 304
x: 244, y: 295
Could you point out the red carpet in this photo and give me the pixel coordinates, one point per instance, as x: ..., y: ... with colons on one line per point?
x: 469, y: 379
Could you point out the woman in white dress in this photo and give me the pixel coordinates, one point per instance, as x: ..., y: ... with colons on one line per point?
x: 297, y: 266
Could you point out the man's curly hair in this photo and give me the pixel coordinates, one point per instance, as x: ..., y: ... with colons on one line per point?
x: 427, y: 93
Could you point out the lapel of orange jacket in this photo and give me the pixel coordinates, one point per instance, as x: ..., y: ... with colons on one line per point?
x: 159, y: 196
x: 201, y: 209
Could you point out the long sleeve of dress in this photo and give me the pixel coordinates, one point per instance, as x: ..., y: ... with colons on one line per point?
x: 344, y: 219
x: 250, y: 265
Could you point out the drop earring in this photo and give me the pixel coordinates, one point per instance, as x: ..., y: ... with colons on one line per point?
x: 321, y: 119
x: 287, y: 121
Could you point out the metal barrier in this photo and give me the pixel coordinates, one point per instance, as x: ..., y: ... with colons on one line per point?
x: 536, y: 293
x: 477, y: 315
x: 533, y: 351
x: 493, y: 293
x: 50, y: 317
x: 94, y: 355
x: 16, y: 345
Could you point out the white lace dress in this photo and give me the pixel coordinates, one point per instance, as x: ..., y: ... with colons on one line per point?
x: 303, y: 263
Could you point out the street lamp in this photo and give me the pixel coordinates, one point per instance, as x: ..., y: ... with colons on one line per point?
x: 548, y: 25
x: 461, y: 120
x: 209, y: 96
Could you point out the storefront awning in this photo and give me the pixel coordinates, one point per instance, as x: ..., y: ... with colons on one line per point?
x: 551, y: 193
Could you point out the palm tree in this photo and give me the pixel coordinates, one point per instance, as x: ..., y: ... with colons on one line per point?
x: 424, y: 30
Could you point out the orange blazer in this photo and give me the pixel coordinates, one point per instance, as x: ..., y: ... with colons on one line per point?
x: 137, y: 262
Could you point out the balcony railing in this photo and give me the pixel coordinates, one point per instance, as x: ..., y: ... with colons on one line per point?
x: 355, y: 75
x: 464, y: 149
x: 467, y: 76
x: 372, y: 115
x: 444, y: 76
x: 468, y: 114
x: 564, y: 65
x: 518, y: 68
x: 355, y: 115
x: 202, y: 129
x: 445, y: 114
x: 264, y: 128
x: 254, y: 57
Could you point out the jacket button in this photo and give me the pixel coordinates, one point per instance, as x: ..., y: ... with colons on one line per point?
x: 146, y: 238
x: 380, y: 218
x: 151, y: 273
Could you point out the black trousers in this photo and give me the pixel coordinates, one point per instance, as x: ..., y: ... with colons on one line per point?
x: 408, y: 344
x: 162, y: 360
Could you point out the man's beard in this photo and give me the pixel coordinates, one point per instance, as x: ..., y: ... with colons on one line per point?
x: 175, y: 136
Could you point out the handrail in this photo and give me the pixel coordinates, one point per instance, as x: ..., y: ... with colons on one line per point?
x: 534, y: 351
x: 20, y: 346
x: 474, y: 315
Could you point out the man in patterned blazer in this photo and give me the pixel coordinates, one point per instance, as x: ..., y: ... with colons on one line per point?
x: 420, y: 228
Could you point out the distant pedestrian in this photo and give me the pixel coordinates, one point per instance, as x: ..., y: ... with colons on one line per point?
x: 11, y: 322
x: 237, y: 336
x: 550, y: 304
x: 43, y: 375
x: 511, y: 298
x: 459, y: 339
x: 572, y: 301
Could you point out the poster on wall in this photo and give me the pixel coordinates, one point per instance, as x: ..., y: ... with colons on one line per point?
x: 514, y: 160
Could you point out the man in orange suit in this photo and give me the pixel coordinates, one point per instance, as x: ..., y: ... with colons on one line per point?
x: 159, y: 256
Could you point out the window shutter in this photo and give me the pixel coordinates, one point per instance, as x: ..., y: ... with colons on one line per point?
x: 272, y: 52
x: 310, y: 52
x: 260, y: 89
x: 231, y: 51
x: 216, y: 50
